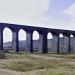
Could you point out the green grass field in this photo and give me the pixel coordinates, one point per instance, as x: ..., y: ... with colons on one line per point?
x: 37, y: 64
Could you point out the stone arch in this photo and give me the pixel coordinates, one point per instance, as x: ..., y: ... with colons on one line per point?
x: 22, y: 39
x: 35, y: 41
x: 35, y: 35
x: 61, y: 35
x: 7, y: 38
x: 49, y: 35
x: 22, y: 35
x: 49, y: 41
x: 71, y: 35
x: 55, y: 41
x: 72, y: 43
x: 63, y: 42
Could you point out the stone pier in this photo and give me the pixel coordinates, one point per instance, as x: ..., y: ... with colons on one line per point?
x: 29, y: 42
x: 1, y: 40
x: 15, y: 43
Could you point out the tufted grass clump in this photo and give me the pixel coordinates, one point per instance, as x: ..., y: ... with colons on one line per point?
x: 2, y: 55
x: 24, y: 66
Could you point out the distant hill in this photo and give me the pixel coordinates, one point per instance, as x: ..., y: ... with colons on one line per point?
x: 22, y: 44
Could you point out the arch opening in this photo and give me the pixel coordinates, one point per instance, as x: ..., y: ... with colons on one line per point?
x: 61, y: 35
x: 22, y: 39
x: 71, y: 35
x: 49, y: 41
x: 61, y: 42
x: 7, y: 38
x: 49, y: 36
x: 35, y: 35
x: 35, y: 41
x: 72, y: 43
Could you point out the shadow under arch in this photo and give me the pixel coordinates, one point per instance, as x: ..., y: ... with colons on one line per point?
x: 7, y: 38
x: 22, y: 39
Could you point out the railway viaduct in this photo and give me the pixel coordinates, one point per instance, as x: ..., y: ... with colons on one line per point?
x: 42, y: 37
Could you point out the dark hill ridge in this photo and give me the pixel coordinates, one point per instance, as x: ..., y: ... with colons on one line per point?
x: 22, y: 44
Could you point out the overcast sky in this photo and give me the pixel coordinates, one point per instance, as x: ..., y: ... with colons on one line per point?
x: 59, y: 14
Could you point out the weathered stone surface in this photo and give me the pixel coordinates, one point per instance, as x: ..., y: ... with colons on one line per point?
x: 54, y: 43
x: 15, y: 41
x: 72, y: 44
x: 40, y: 43
x: 29, y: 42
x: 63, y: 44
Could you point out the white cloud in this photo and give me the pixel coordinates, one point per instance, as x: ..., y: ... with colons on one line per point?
x: 22, y: 11
x: 29, y: 12
x: 71, y: 12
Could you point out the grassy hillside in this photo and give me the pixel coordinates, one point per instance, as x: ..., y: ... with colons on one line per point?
x: 37, y: 64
